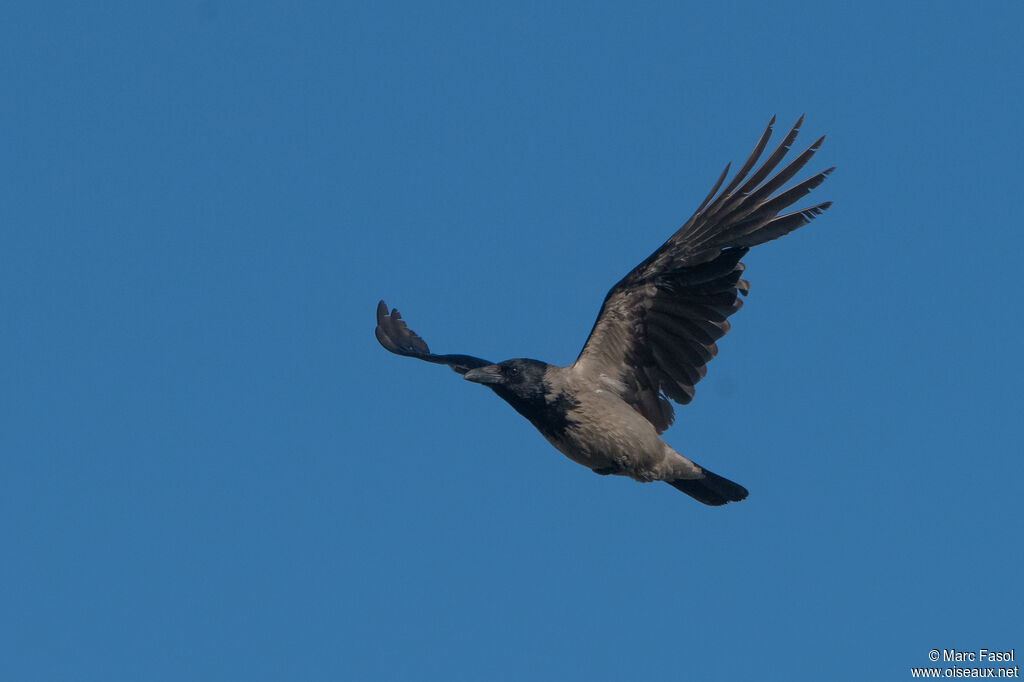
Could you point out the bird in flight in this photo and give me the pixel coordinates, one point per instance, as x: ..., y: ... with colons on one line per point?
x: 654, y: 336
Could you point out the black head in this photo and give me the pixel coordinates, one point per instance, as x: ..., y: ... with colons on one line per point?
x: 514, y: 380
x: 526, y: 386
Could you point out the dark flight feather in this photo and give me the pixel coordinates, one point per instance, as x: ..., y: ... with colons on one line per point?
x: 658, y: 326
x: 395, y: 336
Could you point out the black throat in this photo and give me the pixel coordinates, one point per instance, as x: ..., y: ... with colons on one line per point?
x: 550, y: 415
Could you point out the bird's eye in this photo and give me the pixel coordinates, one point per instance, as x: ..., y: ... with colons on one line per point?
x: 512, y: 371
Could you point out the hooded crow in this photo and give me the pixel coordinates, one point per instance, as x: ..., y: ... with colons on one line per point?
x: 654, y: 335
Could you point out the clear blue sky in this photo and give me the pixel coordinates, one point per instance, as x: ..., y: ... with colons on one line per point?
x: 209, y: 470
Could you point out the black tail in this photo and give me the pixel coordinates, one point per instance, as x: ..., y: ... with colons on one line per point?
x: 711, y: 489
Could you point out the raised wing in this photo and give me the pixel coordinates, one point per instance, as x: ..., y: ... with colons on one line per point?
x: 658, y: 326
x: 396, y: 337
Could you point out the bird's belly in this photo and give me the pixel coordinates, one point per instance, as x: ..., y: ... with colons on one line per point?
x: 626, y: 448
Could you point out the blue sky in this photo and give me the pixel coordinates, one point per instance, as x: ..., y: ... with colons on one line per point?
x: 211, y: 471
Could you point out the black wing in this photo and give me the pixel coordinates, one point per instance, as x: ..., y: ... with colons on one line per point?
x: 657, y: 327
x: 396, y: 337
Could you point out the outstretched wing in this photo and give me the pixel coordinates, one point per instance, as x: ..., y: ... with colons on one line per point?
x: 396, y: 337
x: 658, y: 326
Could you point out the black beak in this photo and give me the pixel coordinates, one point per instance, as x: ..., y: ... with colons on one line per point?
x: 490, y: 374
